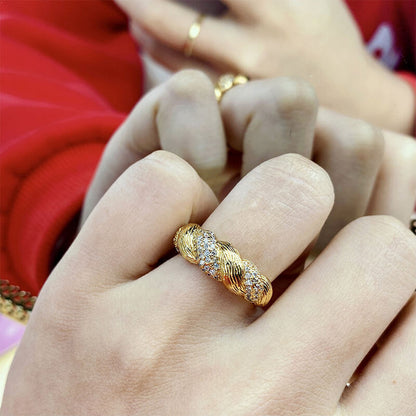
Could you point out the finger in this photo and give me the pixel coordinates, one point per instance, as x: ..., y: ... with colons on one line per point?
x: 131, y: 227
x: 268, y: 118
x: 247, y: 10
x: 180, y: 116
x: 395, y: 189
x: 351, y: 151
x: 212, y: 7
x: 329, y: 318
x: 263, y: 217
x: 387, y: 386
x: 169, y: 23
x: 168, y: 57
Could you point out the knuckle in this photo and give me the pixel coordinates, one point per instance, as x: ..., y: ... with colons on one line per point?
x: 294, y: 95
x: 405, y: 154
x: 305, y: 179
x: 156, y: 169
x: 189, y: 86
x: 56, y: 310
x: 383, y: 226
x: 287, y: 98
x: 364, y: 140
x: 390, y: 236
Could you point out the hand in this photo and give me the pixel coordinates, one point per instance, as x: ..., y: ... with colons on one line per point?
x: 114, y: 333
x: 372, y: 172
x: 314, y: 40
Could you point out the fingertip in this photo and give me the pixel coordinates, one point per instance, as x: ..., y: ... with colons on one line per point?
x: 190, y: 124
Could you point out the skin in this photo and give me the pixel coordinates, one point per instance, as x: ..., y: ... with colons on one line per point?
x: 122, y: 327
x: 373, y: 171
x: 118, y: 329
x: 296, y: 38
x: 113, y: 333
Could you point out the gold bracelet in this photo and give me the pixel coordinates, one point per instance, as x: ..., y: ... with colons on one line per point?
x: 15, y: 303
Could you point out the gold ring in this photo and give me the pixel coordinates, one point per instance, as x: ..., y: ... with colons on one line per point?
x: 226, y: 82
x: 221, y: 261
x: 193, y: 33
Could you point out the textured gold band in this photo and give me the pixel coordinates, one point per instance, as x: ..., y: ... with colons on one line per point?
x: 193, y: 33
x: 221, y: 261
x: 226, y: 82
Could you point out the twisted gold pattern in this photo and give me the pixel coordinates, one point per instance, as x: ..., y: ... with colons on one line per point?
x: 222, y: 262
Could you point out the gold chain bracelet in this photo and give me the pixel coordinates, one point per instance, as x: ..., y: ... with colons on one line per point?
x: 15, y: 303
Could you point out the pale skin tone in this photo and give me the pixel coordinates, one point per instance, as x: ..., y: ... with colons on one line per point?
x: 373, y: 171
x: 314, y: 40
x: 119, y: 331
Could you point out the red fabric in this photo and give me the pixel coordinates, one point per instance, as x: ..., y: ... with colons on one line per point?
x: 389, y: 29
x: 69, y: 75
x: 399, y: 16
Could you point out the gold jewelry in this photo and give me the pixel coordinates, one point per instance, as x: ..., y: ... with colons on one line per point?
x: 15, y: 303
x: 221, y: 261
x: 226, y: 82
x: 193, y: 33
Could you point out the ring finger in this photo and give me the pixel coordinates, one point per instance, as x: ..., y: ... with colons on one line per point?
x: 351, y: 151
x: 267, y: 205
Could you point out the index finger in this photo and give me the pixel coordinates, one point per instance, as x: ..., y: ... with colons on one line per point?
x: 181, y: 116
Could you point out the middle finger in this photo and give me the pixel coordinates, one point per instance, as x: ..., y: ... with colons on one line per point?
x: 284, y: 201
x: 269, y: 118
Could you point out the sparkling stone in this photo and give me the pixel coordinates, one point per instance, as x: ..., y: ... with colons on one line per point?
x: 226, y: 82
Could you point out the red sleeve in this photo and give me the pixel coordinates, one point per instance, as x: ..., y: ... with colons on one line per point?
x: 69, y: 75
x: 389, y: 29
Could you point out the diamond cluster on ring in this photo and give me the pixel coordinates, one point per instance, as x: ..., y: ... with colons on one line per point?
x: 252, y: 282
x: 207, y: 254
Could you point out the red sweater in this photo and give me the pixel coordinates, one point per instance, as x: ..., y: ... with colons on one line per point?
x: 70, y: 73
